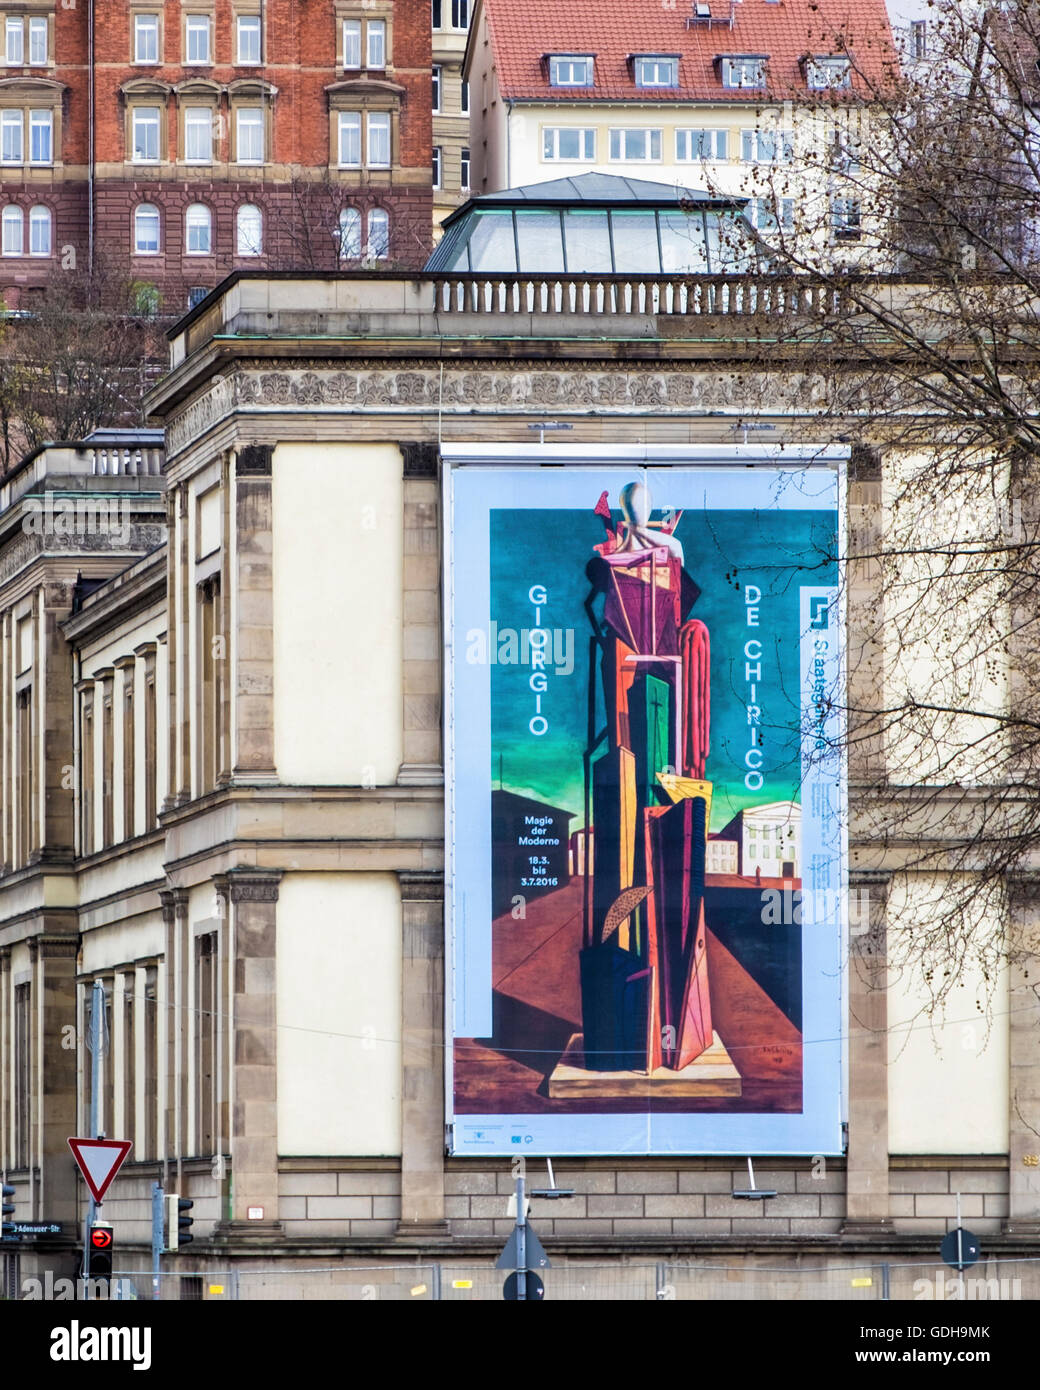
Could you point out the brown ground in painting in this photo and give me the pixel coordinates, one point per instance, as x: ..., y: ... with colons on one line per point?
x: 537, y: 1006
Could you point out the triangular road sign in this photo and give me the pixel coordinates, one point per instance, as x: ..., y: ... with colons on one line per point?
x: 99, y: 1160
x: 536, y: 1256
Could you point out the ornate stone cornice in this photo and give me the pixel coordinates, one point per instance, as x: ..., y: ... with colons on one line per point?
x: 253, y: 885
x: 421, y: 885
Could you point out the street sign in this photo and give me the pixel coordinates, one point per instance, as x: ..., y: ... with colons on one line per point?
x: 959, y: 1248
x: 536, y: 1256
x: 99, y: 1160
x: 535, y: 1288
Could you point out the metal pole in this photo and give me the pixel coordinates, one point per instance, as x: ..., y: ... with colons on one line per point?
x: 960, y: 1237
x: 158, y: 1197
x: 521, y: 1240
x: 94, y: 1043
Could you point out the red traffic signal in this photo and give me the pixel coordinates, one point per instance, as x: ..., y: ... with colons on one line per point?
x: 101, y: 1237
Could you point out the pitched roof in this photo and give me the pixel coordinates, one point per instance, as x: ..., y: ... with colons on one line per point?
x: 524, y: 32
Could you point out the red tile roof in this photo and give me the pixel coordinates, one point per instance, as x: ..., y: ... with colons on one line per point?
x: 524, y: 31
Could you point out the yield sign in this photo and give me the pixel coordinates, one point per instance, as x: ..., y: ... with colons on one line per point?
x: 99, y: 1161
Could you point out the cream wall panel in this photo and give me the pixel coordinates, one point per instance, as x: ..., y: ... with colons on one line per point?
x: 339, y: 1014
x: 338, y: 613
x: 135, y: 938
x: 948, y: 1089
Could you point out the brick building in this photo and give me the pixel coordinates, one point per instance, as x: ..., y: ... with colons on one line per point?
x: 183, y: 140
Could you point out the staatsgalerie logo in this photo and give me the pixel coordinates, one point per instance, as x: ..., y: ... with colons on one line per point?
x: 78, y: 1343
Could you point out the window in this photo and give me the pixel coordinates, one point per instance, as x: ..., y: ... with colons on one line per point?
x: 436, y: 14
x: 564, y: 142
x: 11, y: 222
x: 40, y: 232
x: 247, y: 29
x: 198, y: 135
x: 566, y: 70
x: 700, y: 144
x: 376, y: 35
x: 350, y: 139
x: 464, y: 99
x: 107, y: 765
x: 766, y: 146
x: 146, y: 230
x: 249, y: 229
x: 763, y: 215
x: 207, y: 1043
x: 86, y: 759
x: 378, y: 234
x: 146, y: 38
x: 436, y: 88
x: 145, y: 131
x: 38, y: 43
x: 460, y: 14
x: 349, y: 235
x: 41, y: 137
x: 196, y: 294
x: 379, y: 140
x: 198, y: 225
x: 438, y: 167
x: 747, y: 70
x: 14, y: 34
x: 635, y: 144
x: 919, y: 38
x: 464, y: 168
x: 823, y: 72
x: 845, y: 218
x: 249, y: 135
x: 352, y: 43
x: 129, y: 751
x: 22, y: 1075
x: 11, y: 139
x: 653, y: 70
x: 210, y: 698
x: 196, y: 31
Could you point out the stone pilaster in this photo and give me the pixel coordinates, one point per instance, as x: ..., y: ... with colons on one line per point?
x: 53, y: 955
x: 174, y: 1009
x: 422, y: 1056
x: 253, y: 754
x: 1024, y: 1056
x: 423, y: 761
x: 254, y: 1052
x: 866, y: 1201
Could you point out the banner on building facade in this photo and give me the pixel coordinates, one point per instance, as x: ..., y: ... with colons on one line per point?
x: 646, y: 803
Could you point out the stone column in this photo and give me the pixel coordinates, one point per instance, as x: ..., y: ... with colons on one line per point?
x: 423, y: 762
x: 53, y: 955
x: 254, y: 1051
x: 253, y: 755
x: 422, y: 1056
x: 1024, y: 1056
x: 866, y: 1201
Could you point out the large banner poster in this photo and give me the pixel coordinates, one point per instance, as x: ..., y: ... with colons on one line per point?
x: 646, y: 806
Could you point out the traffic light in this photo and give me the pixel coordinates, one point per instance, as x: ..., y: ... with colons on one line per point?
x: 7, y: 1231
x: 178, y: 1223
x: 99, y: 1256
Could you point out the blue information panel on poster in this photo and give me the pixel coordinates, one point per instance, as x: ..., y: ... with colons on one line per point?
x: 647, y: 803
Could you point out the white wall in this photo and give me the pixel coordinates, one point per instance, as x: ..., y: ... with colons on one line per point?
x: 338, y: 613
x: 339, y: 1014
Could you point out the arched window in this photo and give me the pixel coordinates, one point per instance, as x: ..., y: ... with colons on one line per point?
x: 40, y: 232
x: 250, y: 230
x: 146, y: 230
x: 11, y: 223
x: 379, y: 234
x: 349, y: 234
x: 198, y: 224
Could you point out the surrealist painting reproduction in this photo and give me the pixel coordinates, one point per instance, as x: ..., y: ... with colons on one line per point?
x: 646, y: 805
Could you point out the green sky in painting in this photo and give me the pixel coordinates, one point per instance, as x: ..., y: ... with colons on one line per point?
x: 778, y: 551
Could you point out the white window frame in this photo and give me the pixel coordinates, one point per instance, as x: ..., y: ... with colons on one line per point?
x: 716, y: 139
x: 41, y: 120
x: 14, y: 41
x: 846, y: 218
x: 437, y: 166
x: 10, y: 219
x: 625, y: 133
x: 11, y: 121
x: 352, y: 45
x: 196, y: 119
x: 647, y: 62
x: 377, y: 127
x: 142, y: 28
x: 195, y: 24
x: 375, y: 45
x: 150, y: 208
x: 826, y: 72
x: 252, y: 247
x: 138, y: 117
x: 349, y: 217
x: 253, y: 118
x: 349, y: 120
x: 570, y: 59
x: 40, y: 216
x: 459, y: 15
x: 195, y: 224
x: 736, y: 67
x: 551, y: 144
x: 435, y: 90
x: 764, y: 219
x: 382, y: 217
x: 464, y: 99
x: 38, y: 26
x: 248, y: 24
x: 465, y: 164
x: 755, y: 146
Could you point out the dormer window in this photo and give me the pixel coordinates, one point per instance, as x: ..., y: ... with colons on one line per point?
x: 570, y: 70
x: 656, y: 69
x: 743, y: 69
x: 824, y: 71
